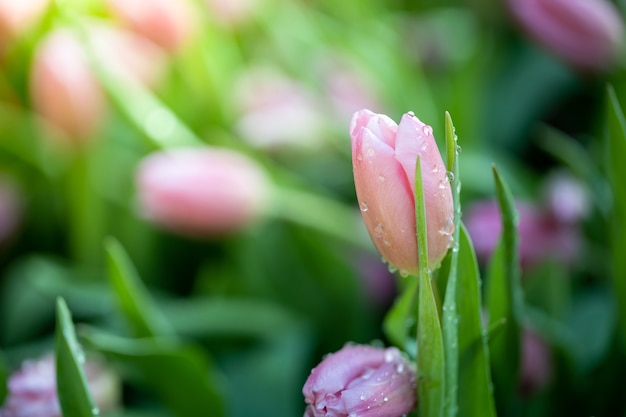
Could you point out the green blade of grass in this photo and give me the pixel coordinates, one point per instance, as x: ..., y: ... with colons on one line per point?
x: 430, y: 355
x: 74, y: 396
x: 615, y: 154
x: 133, y: 297
x: 450, y: 317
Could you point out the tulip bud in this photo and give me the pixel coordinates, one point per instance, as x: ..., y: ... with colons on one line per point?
x: 361, y: 381
x: 33, y: 393
x: 168, y: 23
x: 588, y: 34
x: 201, y: 192
x: 64, y: 90
x: 384, y: 157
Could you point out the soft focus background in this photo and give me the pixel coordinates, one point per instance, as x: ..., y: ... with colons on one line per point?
x: 208, y: 141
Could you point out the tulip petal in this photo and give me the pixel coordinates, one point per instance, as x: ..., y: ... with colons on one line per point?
x: 386, y: 200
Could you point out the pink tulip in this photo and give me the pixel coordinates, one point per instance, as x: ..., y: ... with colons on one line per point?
x: 168, y: 23
x: 64, y: 89
x: 17, y: 17
x: 33, y: 393
x: 201, y: 192
x: 361, y: 381
x: 384, y: 157
x: 586, y: 33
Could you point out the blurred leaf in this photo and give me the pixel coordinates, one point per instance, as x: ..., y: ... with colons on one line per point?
x: 615, y: 154
x: 400, y: 318
x: 430, y: 353
x: 504, y: 297
x: 133, y: 297
x: 450, y: 316
x: 475, y: 387
x: 228, y: 317
x: 4, y: 378
x: 181, y: 375
x: 74, y: 396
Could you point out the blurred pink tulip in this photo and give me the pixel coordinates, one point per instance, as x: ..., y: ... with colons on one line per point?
x: 277, y: 112
x: 588, y: 34
x: 384, y: 157
x: 168, y: 23
x: 17, y: 17
x: 33, y: 393
x: 63, y: 85
x: 536, y: 363
x: 201, y: 192
x: 363, y: 381
x: 540, y: 236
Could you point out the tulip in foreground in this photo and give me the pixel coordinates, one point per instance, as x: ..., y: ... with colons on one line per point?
x: 588, y: 34
x: 384, y: 157
x: 201, y: 191
x: 361, y: 381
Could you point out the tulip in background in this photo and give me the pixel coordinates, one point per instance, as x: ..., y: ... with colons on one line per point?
x: 17, y: 17
x: 168, y: 23
x: 363, y: 381
x: 201, y: 191
x: 32, y: 389
x: 588, y: 34
x: 536, y: 363
x: 384, y: 157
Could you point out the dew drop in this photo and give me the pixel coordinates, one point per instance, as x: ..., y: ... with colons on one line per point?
x: 392, y: 269
x: 362, y: 397
x: 458, y: 149
x: 386, y: 242
x: 381, y: 178
x: 443, y: 184
x: 450, y: 176
x: 364, y: 206
x: 411, y: 113
x: 385, y: 399
x: 378, y: 231
x: 359, y: 156
x: 427, y: 130
x: 400, y: 368
x: 404, y: 273
x: 370, y: 152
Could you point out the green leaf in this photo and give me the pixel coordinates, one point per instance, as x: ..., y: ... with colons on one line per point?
x: 430, y: 356
x: 400, y: 319
x: 475, y: 387
x: 450, y: 315
x: 73, y: 392
x: 180, y: 375
x: 505, y: 296
x: 615, y: 154
x: 4, y: 377
x: 134, y: 299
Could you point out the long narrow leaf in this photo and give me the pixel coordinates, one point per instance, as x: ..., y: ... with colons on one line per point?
x: 475, y: 386
x: 134, y: 299
x: 430, y: 356
x: 74, y: 396
x: 505, y: 297
x: 401, y: 318
x: 450, y: 314
x: 615, y: 154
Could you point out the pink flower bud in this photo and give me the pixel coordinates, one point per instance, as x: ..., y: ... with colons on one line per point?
x: 64, y: 90
x: 586, y: 33
x: 384, y: 157
x: 362, y: 381
x: 33, y: 393
x: 168, y: 23
x: 17, y: 17
x: 201, y: 192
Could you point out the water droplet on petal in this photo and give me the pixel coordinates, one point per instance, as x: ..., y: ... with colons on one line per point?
x: 378, y: 231
x: 392, y: 269
x: 363, y: 206
x: 381, y: 178
x: 359, y: 156
x: 411, y: 113
x: 427, y: 130
x: 370, y: 152
x: 404, y: 273
x: 385, y: 399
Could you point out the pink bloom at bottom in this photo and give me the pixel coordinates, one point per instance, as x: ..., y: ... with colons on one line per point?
x: 362, y: 381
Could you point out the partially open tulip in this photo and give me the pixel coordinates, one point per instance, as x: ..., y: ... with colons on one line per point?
x: 588, y: 34
x: 362, y: 381
x: 201, y: 191
x: 168, y: 23
x: 384, y: 157
x: 32, y: 389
